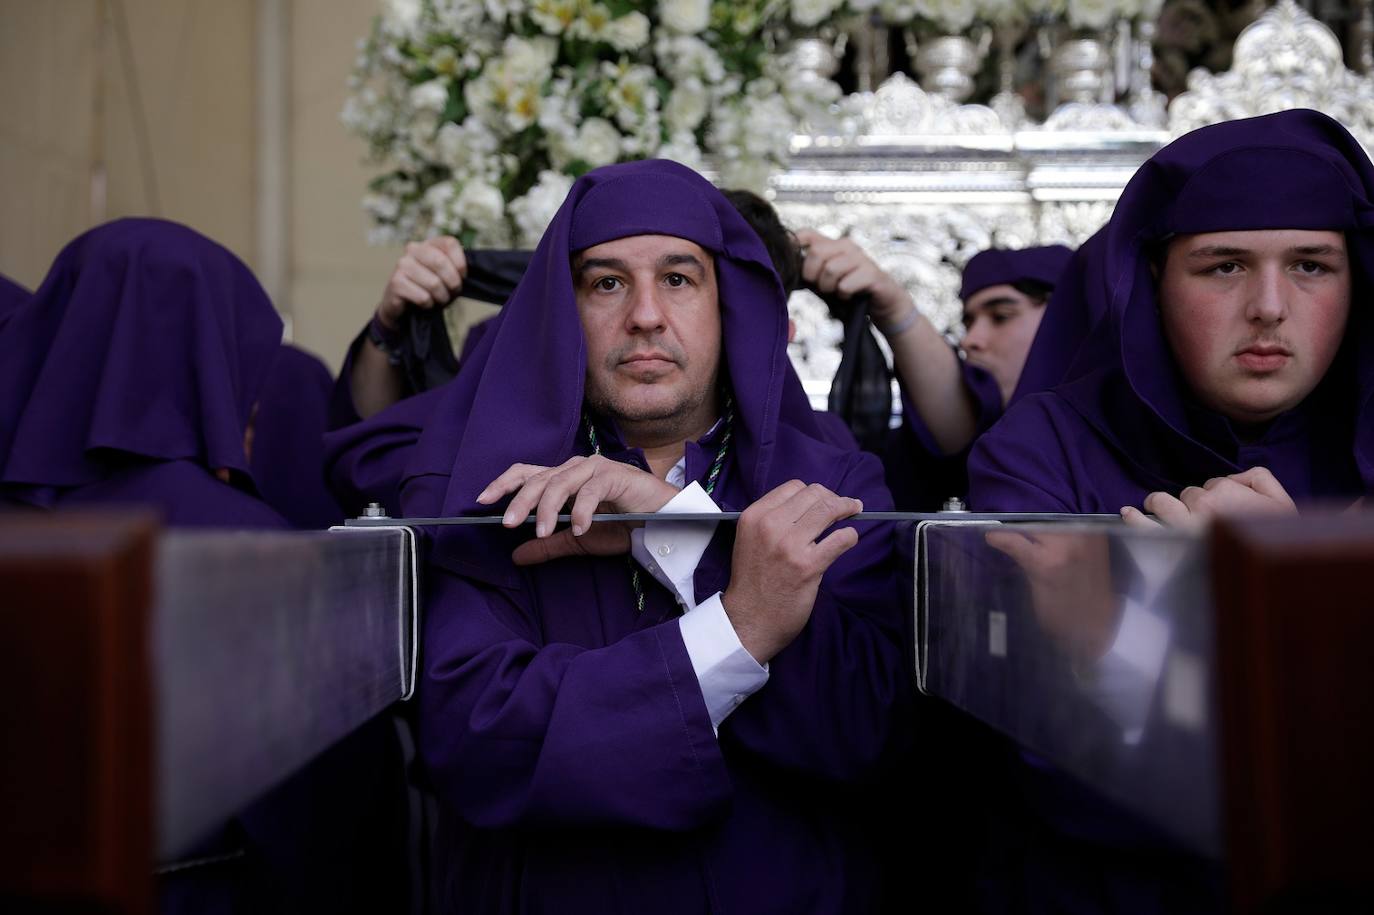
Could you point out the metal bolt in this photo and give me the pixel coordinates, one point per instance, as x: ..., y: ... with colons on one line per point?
x: 374, y: 510
x: 954, y: 504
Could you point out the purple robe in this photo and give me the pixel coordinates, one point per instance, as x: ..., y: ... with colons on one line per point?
x: 1122, y: 424
x: 288, y: 440
x: 564, y: 733
x: 919, y: 472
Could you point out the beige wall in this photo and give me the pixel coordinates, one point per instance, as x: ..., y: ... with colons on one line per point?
x: 66, y: 110
x: 200, y: 70
x: 335, y: 278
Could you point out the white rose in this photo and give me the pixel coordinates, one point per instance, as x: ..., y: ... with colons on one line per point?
x: 522, y: 107
x: 533, y: 212
x: 528, y: 60
x: 553, y: 16
x: 812, y: 12
x: 401, y: 17
x: 481, y: 205
x: 430, y: 96
x: 687, y: 17
x: 464, y: 148
x: 682, y: 147
x: 628, y: 33
x: 501, y: 10
x: 598, y: 142
x: 421, y: 131
x: 686, y: 106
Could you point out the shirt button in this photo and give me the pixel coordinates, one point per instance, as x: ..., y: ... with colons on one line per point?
x: 664, y: 550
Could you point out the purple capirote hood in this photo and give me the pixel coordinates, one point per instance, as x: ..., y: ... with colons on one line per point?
x: 1295, y: 169
x: 998, y: 266
x: 519, y: 394
x: 145, y: 339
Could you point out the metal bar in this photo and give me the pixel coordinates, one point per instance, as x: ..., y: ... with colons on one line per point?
x: 1007, y: 517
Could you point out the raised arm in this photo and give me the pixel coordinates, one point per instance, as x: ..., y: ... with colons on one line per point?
x: 926, y: 365
x: 428, y: 275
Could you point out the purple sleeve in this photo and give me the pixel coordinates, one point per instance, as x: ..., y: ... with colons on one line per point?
x: 837, y: 701
x: 366, y: 461
x: 987, y: 405
x: 518, y: 733
x: 1021, y: 464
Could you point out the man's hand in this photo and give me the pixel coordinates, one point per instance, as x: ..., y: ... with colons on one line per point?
x: 1071, y: 587
x: 839, y: 266
x: 430, y: 273
x: 1254, y: 492
x: 777, y: 563
x: 593, y: 484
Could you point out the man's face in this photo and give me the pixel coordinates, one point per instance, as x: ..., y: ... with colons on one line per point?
x: 651, y: 316
x: 1255, y: 318
x: 999, y: 326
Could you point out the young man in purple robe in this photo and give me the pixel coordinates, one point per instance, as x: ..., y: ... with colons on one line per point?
x: 948, y: 400
x: 679, y: 717
x: 1230, y: 372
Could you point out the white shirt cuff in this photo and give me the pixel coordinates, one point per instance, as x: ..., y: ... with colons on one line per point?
x: 671, y: 550
x: 727, y: 672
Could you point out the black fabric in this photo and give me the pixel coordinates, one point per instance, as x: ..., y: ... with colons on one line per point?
x: 426, y: 352
x: 861, y: 392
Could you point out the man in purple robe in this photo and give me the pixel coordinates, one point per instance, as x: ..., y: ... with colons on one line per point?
x: 680, y: 717
x: 1227, y: 373
x: 948, y: 398
x: 1230, y: 371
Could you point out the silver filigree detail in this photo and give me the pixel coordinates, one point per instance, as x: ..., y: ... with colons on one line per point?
x: 900, y: 108
x: 1071, y: 223
x: 1285, y: 59
x: 1089, y: 117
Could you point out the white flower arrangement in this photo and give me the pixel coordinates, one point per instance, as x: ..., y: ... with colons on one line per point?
x: 482, y: 112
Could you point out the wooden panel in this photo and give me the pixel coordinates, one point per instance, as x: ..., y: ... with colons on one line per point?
x: 1295, y: 684
x: 75, y: 722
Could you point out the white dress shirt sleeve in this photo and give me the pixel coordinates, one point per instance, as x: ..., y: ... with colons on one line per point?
x: 670, y: 552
